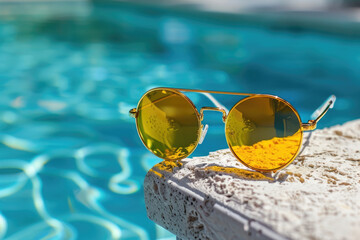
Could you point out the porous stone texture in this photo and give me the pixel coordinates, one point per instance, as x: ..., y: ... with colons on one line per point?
x: 216, y: 197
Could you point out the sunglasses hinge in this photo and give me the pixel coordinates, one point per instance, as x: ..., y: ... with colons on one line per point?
x: 309, y: 126
x: 212, y: 109
x: 132, y: 112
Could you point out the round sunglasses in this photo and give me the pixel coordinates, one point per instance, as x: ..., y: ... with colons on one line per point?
x: 264, y: 132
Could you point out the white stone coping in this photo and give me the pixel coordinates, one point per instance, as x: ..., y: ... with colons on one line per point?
x: 316, y: 197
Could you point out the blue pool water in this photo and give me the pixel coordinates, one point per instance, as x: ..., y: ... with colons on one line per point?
x: 71, y: 163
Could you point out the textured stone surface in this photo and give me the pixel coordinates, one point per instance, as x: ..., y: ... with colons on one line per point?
x: 216, y: 197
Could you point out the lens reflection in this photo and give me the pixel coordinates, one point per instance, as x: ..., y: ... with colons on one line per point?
x: 264, y: 132
x: 168, y: 124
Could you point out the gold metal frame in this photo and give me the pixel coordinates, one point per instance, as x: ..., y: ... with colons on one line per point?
x: 309, y: 126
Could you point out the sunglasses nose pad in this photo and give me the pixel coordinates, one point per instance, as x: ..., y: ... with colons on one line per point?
x: 203, y: 133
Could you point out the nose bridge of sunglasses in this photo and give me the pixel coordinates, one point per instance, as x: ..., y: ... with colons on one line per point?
x: 213, y: 109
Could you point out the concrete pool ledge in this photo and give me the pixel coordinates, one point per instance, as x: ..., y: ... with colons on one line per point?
x: 216, y: 197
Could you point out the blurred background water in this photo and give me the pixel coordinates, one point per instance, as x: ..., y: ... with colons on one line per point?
x: 71, y: 162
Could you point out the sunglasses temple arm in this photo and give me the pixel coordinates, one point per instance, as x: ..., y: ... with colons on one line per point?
x: 319, y: 113
x: 215, y: 102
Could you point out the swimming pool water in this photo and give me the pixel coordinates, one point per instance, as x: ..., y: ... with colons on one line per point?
x: 71, y: 163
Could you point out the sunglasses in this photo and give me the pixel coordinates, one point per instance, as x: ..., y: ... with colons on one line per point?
x: 264, y: 132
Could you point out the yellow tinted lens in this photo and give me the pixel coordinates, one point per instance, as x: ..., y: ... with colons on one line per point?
x: 168, y: 124
x: 264, y: 132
